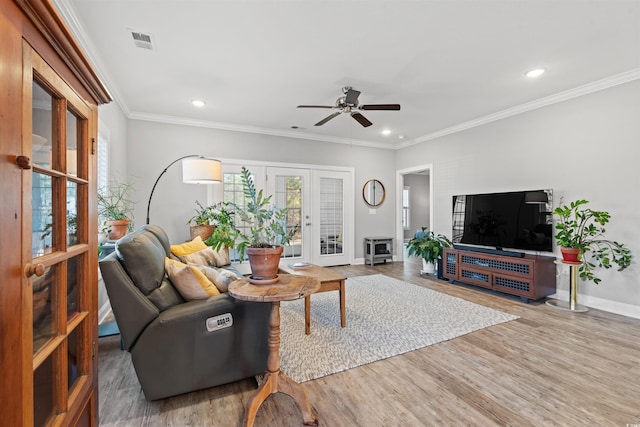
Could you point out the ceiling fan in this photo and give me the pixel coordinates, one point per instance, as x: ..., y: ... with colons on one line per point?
x: 349, y: 104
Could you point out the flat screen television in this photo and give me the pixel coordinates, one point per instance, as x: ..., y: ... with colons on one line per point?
x: 516, y: 220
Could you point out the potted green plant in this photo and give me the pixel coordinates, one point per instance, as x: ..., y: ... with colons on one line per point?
x: 116, y: 208
x: 581, y: 230
x: 203, y: 222
x: 428, y: 246
x: 258, y: 229
x: 224, y: 233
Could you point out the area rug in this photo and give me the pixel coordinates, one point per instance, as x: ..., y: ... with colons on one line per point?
x: 385, y: 317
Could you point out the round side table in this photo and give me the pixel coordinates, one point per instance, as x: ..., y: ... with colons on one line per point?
x: 290, y: 287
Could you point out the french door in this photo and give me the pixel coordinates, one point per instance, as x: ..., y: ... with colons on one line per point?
x: 333, y: 217
x: 319, y: 201
x: 59, y: 328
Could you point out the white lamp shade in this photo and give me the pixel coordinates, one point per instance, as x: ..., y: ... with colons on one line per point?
x: 198, y: 170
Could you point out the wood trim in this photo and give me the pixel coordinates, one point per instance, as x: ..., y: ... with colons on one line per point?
x: 46, y: 19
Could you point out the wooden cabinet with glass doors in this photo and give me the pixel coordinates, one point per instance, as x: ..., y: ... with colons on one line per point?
x: 48, y: 319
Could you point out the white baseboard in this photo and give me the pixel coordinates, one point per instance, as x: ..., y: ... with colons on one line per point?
x: 360, y: 261
x: 616, y: 307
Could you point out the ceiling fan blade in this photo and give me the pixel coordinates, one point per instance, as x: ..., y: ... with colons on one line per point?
x: 351, y: 96
x: 326, y: 119
x: 361, y: 119
x: 316, y: 106
x: 395, y: 107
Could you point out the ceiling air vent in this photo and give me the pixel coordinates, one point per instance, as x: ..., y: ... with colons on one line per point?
x: 142, y: 40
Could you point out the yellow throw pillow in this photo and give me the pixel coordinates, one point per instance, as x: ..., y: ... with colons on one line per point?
x: 188, y: 248
x: 219, y: 276
x: 207, y: 256
x: 189, y: 280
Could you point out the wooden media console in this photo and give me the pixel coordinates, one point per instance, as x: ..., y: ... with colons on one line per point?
x: 530, y: 277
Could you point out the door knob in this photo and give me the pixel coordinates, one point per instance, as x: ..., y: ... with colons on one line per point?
x: 31, y: 269
x: 307, y: 223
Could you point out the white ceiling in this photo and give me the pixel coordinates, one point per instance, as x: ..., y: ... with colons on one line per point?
x: 450, y: 64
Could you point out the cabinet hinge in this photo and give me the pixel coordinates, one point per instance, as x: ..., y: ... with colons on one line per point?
x: 93, y: 350
x: 93, y: 146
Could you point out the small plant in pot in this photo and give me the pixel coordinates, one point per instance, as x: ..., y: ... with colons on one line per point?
x: 259, y: 229
x: 581, y: 231
x: 428, y: 246
x: 203, y: 222
x: 115, y: 207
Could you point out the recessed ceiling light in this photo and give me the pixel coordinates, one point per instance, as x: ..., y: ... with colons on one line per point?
x: 386, y: 132
x: 198, y: 103
x: 400, y: 136
x: 535, y: 73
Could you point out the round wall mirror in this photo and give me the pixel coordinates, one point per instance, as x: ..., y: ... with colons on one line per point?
x: 373, y: 192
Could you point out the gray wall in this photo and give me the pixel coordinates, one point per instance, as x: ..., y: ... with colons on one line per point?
x: 419, y: 202
x: 587, y: 147
x: 152, y: 146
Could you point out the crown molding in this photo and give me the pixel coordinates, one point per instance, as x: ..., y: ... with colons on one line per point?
x: 252, y: 129
x: 586, y: 89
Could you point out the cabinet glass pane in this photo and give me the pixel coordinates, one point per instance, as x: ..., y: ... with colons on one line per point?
x: 72, y: 213
x: 43, y: 292
x: 73, y: 358
x: 42, y: 130
x: 43, y: 226
x: 73, y: 134
x: 73, y: 294
x: 43, y: 394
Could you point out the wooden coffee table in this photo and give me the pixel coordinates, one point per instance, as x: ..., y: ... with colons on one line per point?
x: 329, y: 279
x: 288, y: 288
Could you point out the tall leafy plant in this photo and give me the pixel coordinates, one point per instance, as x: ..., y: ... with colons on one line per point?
x: 583, y: 228
x: 259, y: 224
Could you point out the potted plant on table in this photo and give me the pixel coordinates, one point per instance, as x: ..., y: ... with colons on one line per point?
x: 581, y: 239
x: 258, y: 229
x: 116, y: 208
x: 429, y: 246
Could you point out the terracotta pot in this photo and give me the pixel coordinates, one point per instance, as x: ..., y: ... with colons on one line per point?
x: 117, y: 228
x: 570, y: 254
x: 203, y: 230
x: 264, y: 264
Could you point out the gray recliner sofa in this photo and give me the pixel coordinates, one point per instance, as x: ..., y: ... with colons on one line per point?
x: 173, y: 348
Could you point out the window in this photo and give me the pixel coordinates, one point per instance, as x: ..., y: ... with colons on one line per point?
x: 405, y: 208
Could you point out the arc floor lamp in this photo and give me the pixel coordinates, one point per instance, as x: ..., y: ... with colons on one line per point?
x: 196, y: 169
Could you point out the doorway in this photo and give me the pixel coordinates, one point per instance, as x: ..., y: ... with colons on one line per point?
x: 414, y: 203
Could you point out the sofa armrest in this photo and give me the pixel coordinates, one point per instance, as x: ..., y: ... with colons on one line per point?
x: 133, y: 311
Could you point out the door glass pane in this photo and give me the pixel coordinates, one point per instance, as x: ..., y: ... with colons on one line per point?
x: 43, y: 292
x: 43, y: 394
x: 331, y: 216
x: 233, y: 192
x: 43, y: 226
x: 42, y: 103
x: 73, y: 295
x: 72, y: 213
x: 73, y: 135
x: 288, y: 195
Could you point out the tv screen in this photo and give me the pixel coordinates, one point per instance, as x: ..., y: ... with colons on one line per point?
x: 514, y: 220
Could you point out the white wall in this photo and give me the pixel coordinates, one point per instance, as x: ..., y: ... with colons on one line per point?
x: 586, y: 147
x: 152, y: 146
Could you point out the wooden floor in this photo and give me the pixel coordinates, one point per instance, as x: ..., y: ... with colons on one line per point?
x: 549, y: 368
